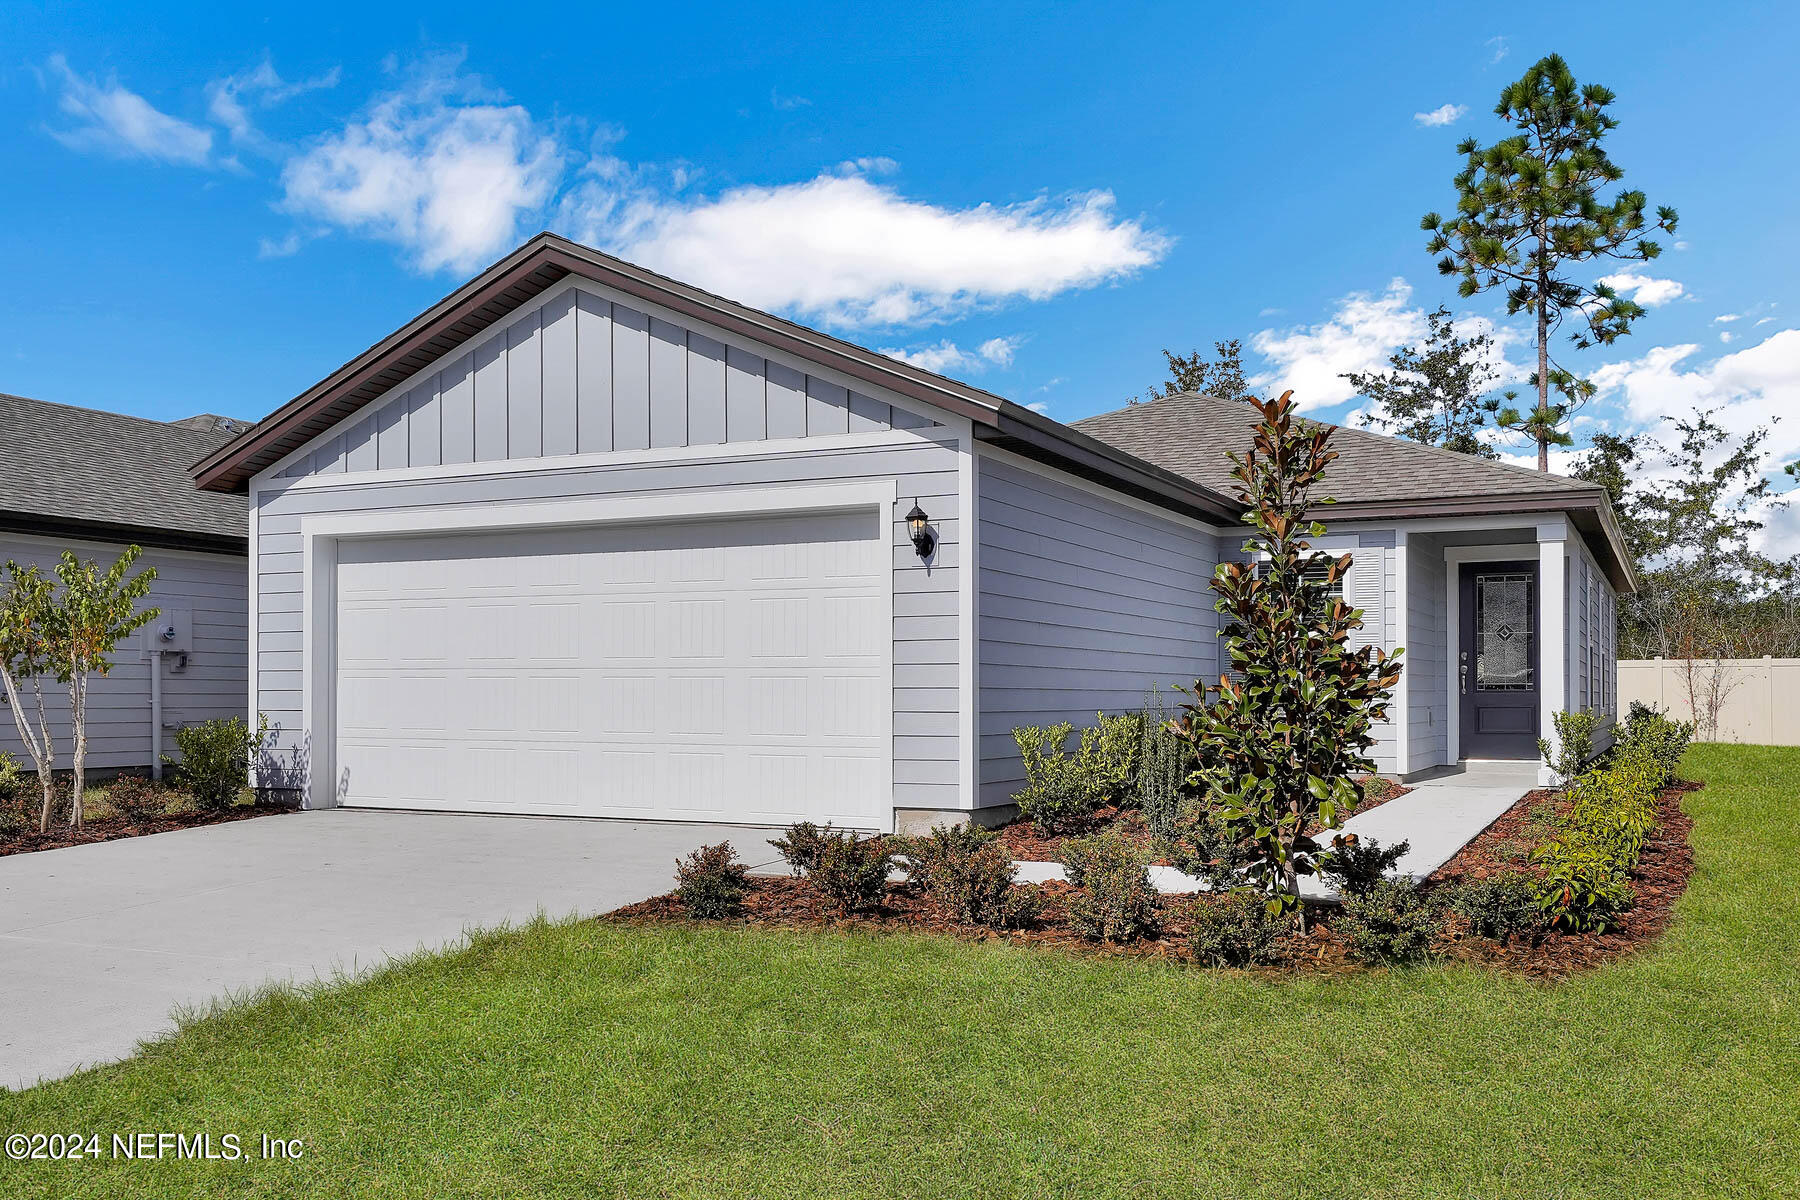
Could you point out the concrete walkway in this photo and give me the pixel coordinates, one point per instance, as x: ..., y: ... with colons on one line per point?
x: 1438, y: 817
x: 99, y: 942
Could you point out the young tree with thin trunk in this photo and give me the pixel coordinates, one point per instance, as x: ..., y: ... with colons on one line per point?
x: 1529, y: 214
x: 1278, y: 752
x: 99, y: 609
x: 1435, y: 395
x: 28, y: 653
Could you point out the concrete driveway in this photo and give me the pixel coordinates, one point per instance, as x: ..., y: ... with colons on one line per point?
x: 99, y: 943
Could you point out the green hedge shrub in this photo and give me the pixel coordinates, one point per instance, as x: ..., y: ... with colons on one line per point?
x: 1574, y: 743
x: 1392, y: 922
x: 1116, y: 902
x: 852, y: 872
x: 1648, y: 731
x: 1586, y: 869
x: 1233, y: 929
x: 800, y: 848
x: 711, y: 882
x: 215, y: 760
x: 1063, y: 787
x: 136, y: 799
x: 13, y: 818
x: 1499, y: 907
x: 968, y: 872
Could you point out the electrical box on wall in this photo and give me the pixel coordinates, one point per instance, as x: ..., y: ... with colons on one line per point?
x: 172, y: 632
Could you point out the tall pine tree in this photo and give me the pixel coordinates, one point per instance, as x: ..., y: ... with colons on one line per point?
x: 1529, y: 215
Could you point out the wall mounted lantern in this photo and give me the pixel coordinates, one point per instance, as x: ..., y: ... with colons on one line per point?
x: 918, y: 527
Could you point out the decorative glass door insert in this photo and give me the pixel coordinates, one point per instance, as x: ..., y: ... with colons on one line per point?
x: 1505, y: 624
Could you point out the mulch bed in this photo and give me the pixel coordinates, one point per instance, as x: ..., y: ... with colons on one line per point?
x: 1660, y: 878
x: 114, y: 828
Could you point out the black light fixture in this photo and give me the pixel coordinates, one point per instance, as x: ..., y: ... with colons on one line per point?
x: 918, y: 527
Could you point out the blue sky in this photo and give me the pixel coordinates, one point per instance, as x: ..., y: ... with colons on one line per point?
x: 204, y: 214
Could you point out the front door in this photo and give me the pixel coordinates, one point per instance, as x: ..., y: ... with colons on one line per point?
x: 1497, y: 660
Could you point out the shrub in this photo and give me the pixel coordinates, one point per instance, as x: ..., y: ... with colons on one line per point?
x: 1586, y: 869
x: 1648, y: 731
x: 1116, y: 902
x: 1574, y: 743
x: 136, y: 799
x: 1392, y: 922
x: 215, y: 759
x: 1063, y: 787
x: 852, y: 872
x: 13, y: 797
x: 1498, y: 907
x: 1234, y: 929
x: 968, y: 872
x: 1355, y: 866
x: 800, y: 848
x: 711, y: 882
x: 1162, y: 769
x: 1206, y: 848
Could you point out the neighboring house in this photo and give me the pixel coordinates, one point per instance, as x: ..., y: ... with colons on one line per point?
x: 97, y: 482
x: 584, y: 540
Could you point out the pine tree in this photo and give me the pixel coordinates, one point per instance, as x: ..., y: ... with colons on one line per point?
x: 1529, y: 211
x: 1222, y: 377
x: 1435, y: 395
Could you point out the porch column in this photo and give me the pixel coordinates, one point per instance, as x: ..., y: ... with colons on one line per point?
x: 1553, y: 642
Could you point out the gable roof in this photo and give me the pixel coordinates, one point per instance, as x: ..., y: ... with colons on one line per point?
x: 1373, y: 475
x: 83, y: 472
x: 547, y: 259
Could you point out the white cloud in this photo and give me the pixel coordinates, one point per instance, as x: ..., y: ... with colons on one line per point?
x: 112, y: 120
x: 283, y: 247
x: 783, y: 103
x: 442, y: 166
x: 1042, y: 407
x: 1758, y: 385
x: 846, y: 250
x: 230, y: 99
x: 1727, y: 318
x: 946, y: 357
x: 1645, y: 289
x: 1445, y: 114
x: 1359, y: 337
x: 1498, y: 47
x: 1725, y: 335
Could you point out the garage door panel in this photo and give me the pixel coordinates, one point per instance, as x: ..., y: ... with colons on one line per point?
x: 729, y: 671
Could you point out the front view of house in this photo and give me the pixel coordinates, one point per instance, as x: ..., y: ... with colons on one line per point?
x: 585, y: 541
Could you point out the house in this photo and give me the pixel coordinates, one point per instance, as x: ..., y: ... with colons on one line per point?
x: 97, y: 482
x: 583, y: 540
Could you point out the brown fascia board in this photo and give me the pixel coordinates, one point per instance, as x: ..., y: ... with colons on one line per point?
x: 124, y: 535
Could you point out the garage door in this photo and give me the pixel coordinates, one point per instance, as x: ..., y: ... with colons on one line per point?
x: 728, y: 671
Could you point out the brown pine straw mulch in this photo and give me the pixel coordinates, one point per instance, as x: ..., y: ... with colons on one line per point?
x: 111, y: 829
x: 1661, y: 876
x: 1028, y: 843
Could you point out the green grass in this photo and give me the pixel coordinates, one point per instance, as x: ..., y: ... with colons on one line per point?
x: 580, y: 1060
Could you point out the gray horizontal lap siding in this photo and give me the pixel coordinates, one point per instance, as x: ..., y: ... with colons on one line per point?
x: 213, y: 589
x: 1083, y: 605
x: 581, y: 374
x: 925, y: 597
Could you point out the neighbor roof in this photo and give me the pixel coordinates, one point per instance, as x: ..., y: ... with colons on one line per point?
x: 83, y: 472
x: 1373, y: 475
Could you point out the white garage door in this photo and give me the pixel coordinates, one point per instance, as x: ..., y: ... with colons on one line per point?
x: 728, y: 671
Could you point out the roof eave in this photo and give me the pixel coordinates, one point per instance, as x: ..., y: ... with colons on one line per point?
x: 51, y: 525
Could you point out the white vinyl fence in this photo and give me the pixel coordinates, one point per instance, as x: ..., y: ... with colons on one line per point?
x: 1758, y: 698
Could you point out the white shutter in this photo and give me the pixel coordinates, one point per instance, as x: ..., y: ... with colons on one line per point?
x: 1365, y: 587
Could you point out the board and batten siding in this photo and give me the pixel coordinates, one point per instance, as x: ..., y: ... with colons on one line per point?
x: 211, y: 587
x: 923, y: 464
x: 580, y: 374
x: 1083, y: 605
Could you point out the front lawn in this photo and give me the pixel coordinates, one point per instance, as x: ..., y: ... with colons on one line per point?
x: 595, y: 1060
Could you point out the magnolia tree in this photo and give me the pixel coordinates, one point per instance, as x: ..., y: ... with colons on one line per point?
x: 67, y: 634
x: 1278, y: 751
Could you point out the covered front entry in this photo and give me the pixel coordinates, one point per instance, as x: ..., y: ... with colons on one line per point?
x: 726, y: 670
x: 1499, y: 685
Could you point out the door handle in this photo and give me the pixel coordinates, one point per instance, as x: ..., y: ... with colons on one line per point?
x: 1463, y: 672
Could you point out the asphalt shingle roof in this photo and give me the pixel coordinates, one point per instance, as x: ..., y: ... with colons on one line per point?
x: 1189, y: 435
x: 80, y: 464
